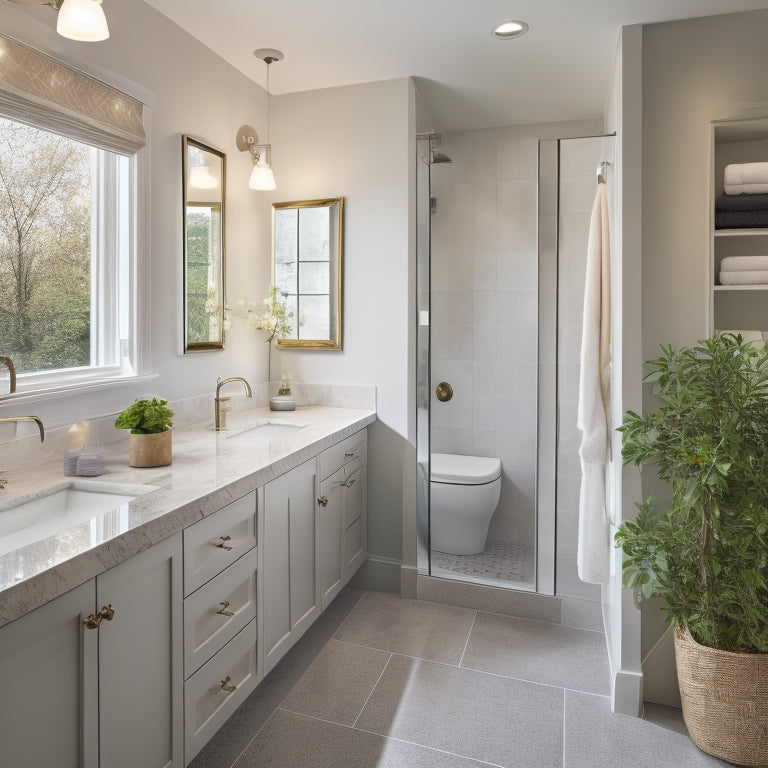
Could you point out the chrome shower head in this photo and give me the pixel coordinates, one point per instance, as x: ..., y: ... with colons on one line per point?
x: 438, y: 157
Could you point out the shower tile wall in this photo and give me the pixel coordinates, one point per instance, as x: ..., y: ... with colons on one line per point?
x: 578, y: 161
x: 484, y: 276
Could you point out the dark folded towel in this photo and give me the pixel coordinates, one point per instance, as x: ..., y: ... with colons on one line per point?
x: 741, y: 219
x: 741, y: 203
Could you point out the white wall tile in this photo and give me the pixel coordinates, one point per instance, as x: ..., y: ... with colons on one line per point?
x: 507, y: 307
x: 577, y: 194
x: 461, y: 307
x: 485, y: 272
x: 529, y: 158
x: 462, y: 237
x: 484, y: 413
x: 462, y: 200
x: 485, y: 155
x: 462, y: 277
x: 461, y: 342
x: 508, y: 158
x: 440, y: 307
x: 486, y: 236
x: 507, y: 235
x: 485, y: 304
x: 484, y: 382
x: 462, y: 157
x: 439, y: 272
x: 508, y: 197
x: 484, y: 442
x: 485, y: 200
x: 460, y: 442
x: 485, y: 342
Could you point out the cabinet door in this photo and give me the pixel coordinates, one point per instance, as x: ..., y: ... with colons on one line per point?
x: 289, y: 580
x: 355, y: 522
x: 330, y: 533
x: 140, y: 660
x: 48, y: 692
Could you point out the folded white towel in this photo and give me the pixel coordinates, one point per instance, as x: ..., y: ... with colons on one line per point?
x: 756, y: 188
x: 746, y: 173
x: 744, y: 263
x: 750, y: 277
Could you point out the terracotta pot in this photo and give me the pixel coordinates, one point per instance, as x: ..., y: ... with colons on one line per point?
x: 150, y: 450
x: 725, y: 700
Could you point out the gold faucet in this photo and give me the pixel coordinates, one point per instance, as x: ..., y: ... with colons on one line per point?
x: 9, y: 419
x: 8, y: 363
x: 219, y: 415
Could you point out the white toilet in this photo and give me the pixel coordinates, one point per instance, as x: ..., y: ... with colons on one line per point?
x: 464, y: 492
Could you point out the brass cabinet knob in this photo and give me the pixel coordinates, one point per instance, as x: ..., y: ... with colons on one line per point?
x: 225, y: 686
x: 323, y: 501
x: 92, y: 621
x: 444, y: 391
x: 107, y: 612
x: 223, y: 543
x: 223, y: 610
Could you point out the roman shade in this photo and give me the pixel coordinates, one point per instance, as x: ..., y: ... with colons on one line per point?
x: 41, y: 91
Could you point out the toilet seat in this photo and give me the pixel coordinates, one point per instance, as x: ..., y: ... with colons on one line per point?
x: 463, y: 470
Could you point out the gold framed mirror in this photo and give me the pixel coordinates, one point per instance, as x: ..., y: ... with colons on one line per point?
x: 307, y: 249
x: 203, y: 184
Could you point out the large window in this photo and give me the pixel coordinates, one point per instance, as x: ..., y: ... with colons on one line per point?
x: 67, y: 234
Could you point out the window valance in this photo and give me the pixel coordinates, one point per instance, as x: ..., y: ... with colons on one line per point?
x: 38, y: 90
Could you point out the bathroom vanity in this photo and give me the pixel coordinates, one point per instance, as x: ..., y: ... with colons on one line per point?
x: 133, y: 645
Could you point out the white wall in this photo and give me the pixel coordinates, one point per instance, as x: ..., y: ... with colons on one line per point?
x: 357, y: 142
x: 623, y: 116
x: 193, y: 92
x: 694, y: 71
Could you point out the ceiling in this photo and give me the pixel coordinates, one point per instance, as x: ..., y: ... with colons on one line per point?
x: 560, y: 70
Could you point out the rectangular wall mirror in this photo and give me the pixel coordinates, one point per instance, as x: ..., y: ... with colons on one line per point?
x: 203, y: 182
x: 307, y: 269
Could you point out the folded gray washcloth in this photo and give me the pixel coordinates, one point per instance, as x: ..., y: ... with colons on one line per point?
x: 744, y: 263
x: 741, y: 219
x: 744, y: 202
x: 751, y: 277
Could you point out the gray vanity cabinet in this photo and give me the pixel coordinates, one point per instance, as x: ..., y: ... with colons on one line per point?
x: 289, y: 588
x: 108, y: 696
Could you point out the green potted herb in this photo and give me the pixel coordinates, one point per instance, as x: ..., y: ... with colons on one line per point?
x: 150, y: 438
x: 707, y: 555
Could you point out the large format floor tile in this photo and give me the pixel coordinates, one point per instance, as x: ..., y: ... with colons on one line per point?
x: 338, y: 683
x: 289, y: 740
x: 596, y: 738
x: 540, y: 652
x: 505, y: 722
x: 408, y: 627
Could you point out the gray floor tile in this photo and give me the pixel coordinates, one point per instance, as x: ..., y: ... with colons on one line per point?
x: 596, y: 738
x: 338, y: 683
x: 670, y: 718
x: 540, y: 652
x: 409, y: 627
x: 225, y: 746
x: 506, y: 722
x: 290, y: 740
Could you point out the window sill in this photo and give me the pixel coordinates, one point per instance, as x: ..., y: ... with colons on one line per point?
x: 65, y: 389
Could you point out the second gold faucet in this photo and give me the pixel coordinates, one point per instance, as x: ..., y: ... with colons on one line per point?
x: 219, y: 414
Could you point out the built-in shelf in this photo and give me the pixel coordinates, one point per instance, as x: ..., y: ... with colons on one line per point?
x: 736, y: 306
x: 741, y: 287
x: 740, y: 232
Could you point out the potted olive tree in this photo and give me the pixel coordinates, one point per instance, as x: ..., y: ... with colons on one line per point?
x: 150, y: 438
x: 707, y: 555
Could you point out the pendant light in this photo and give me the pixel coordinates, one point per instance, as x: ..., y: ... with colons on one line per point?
x: 82, y: 20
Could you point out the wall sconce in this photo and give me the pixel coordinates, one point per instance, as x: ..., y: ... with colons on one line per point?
x: 262, y: 177
x: 82, y: 20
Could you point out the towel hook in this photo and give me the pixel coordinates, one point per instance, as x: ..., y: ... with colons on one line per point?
x: 602, y: 171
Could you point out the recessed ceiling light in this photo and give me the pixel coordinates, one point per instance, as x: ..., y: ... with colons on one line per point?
x: 509, y: 29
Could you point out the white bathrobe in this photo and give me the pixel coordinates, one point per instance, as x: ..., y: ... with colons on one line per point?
x: 593, y: 419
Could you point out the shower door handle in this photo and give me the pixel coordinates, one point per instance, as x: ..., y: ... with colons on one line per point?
x: 444, y: 391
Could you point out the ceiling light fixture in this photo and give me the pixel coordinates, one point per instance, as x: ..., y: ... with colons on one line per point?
x: 508, y: 30
x: 82, y: 20
x: 262, y: 177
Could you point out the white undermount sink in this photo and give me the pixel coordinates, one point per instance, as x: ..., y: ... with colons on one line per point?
x: 268, y: 430
x: 60, y: 507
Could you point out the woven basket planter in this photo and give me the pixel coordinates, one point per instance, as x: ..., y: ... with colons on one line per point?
x: 725, y: 700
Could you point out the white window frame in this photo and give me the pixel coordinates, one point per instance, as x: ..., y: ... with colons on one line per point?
x: 133, y: 235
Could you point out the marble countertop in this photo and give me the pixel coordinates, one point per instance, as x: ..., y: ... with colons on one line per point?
x: 209, y: 470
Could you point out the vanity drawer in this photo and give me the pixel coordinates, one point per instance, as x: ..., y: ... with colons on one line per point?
x: 217, y: 689
x: 218, y: 540
x: 217, y: 611
x: 350, y: 451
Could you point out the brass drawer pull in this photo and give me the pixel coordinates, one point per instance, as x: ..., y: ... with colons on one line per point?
x: 107, y: 612
x: 224, y: 686
x: 223, y: 610
x: 223, y: 543
x: 323, y: 501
